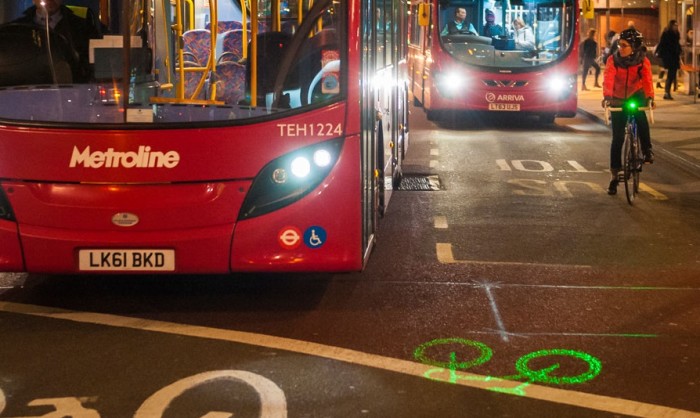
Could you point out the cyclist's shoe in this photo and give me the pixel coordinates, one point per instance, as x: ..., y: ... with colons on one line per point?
x: 649, y: 157
x: 612, y: 188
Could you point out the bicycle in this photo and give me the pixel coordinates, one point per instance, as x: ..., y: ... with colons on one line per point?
x: 632, y: 156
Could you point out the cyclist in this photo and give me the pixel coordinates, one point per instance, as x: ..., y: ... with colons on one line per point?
x: 628, y: 76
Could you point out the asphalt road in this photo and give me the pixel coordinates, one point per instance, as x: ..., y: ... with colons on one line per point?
x: 519, y: 288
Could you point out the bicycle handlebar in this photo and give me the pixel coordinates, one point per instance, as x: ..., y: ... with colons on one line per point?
x: 609, y: 110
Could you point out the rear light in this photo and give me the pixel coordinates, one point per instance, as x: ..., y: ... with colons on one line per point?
x: 108, y: 95
x: 5, y: 208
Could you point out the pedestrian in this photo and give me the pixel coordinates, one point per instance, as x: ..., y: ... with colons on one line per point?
x: 669, y: 50
x: 627, y: 76
x: 491, y: 28
x: 609, y: 38
x: 523, y: 34
x: 587, y: 56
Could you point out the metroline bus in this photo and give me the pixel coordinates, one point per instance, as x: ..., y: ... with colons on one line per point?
x: 208, y: 136
x: 532, y: 71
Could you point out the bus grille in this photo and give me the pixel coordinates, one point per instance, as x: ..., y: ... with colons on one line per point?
x: 506, y: 83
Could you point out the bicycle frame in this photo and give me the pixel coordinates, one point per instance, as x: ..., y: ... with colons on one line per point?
x: 632, y: 158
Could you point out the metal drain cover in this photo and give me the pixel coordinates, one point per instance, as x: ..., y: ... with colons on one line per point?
x: 421, y: 183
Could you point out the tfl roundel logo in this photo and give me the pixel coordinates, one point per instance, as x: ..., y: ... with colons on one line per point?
x: 289, y: 237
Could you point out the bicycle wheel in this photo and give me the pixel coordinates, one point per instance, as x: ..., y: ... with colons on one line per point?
x: 638, y: 163
x: 628, y: 162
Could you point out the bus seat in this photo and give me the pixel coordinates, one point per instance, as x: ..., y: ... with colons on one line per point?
x: 229, y: 26
x: 225, y: 25
x: 198, y: 43
x: 230, y: 85
x: 233, y: 46
x: 263, y: 26
x: 192, y: 79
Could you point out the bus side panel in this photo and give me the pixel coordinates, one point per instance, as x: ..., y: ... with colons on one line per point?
x: 321, y: 232
x: 11, y: 253
x: 416, y: 68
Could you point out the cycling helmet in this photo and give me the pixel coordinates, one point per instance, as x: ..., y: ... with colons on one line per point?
x: 632, y: 37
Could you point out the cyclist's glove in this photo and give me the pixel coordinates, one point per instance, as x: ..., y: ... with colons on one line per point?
x: 651, y: 103
x: 606, y: 102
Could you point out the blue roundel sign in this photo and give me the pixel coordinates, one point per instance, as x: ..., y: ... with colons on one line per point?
x: 315, y: 237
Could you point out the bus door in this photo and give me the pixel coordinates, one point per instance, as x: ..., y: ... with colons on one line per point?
x: 384, y: 85
x: 370, y: 171
x: 383, y: 115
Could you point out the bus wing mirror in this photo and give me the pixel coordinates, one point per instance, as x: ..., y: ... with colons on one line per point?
x: 424, y: 14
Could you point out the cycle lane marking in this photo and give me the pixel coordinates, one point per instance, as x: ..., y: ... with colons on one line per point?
x: 445, y: 256
x: 539, y: 392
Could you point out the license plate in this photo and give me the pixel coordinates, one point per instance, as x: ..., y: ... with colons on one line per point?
x: 126, y: 260
x: 508, y: 107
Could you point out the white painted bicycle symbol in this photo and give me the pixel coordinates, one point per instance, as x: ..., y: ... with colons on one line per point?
x: 272, y: 399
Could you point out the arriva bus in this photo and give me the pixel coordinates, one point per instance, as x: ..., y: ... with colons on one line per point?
x: 198, y: 136
x: 506, y: 56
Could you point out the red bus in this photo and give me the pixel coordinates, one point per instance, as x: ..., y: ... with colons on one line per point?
x: 506, y: 56
x: 199, y: 136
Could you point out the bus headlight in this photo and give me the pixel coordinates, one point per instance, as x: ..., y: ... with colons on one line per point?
x: 290, y: 177
x: 301, y: 167
x: 562, y: 86
x: 450, y: 83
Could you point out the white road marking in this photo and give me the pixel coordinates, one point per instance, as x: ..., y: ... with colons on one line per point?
x: 272, y: 399
x: 545, y: 393
x: 496, y: 313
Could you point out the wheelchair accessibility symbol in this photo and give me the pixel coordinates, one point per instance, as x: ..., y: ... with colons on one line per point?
x: 314, y: 237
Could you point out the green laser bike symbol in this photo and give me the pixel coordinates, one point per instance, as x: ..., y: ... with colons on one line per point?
x: 522, y: 365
